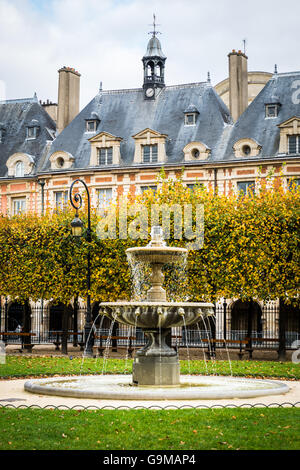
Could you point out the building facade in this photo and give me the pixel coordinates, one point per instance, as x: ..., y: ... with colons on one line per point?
x: 123, y: 138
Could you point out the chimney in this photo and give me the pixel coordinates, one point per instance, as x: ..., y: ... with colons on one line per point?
x: 68, y: 97
x: 238, y: 83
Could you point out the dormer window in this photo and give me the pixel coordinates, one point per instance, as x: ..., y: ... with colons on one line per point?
x: 190, y: 119
x: 150, y: 153
x: 190, y: 115
x: 19, y: 169
x: 246, y: 148
x: 105, y: 156
x: 32, y: 130
x: 31, y: 133
x: 293, y: 144
x: 91, y: 126
x: 272, y: 110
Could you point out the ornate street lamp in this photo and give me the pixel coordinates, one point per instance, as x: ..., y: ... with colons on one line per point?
x: 77, y: 231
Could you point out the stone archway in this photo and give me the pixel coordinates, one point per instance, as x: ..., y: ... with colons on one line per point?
x: 240, y: 322
x: 19, y: 315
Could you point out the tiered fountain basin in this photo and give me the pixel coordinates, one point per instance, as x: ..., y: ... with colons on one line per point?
x: 156, y: 314
x: 156, y: 369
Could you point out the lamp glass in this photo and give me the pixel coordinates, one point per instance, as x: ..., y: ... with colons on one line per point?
x: 77, y: 227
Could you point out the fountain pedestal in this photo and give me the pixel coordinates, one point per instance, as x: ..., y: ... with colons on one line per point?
x: 156, y: 363
x: 155, y: 370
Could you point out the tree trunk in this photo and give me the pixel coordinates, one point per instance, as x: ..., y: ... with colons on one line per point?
x: 282, y: 327
x: 64, y: 338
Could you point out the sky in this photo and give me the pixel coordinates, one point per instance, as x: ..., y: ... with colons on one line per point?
x: 105, y: 40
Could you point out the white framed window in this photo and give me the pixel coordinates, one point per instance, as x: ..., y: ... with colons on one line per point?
x: 245, y: 186
x: 61, y: 200
x: 150, y: 153
x: 104, y: 197
x: 294, y: 144
x: 31, y: 133
x: 145, y: 188
x: 19, y: 205
x: 190, y: 119
x: 91, y: 126
x: 271, y: 110
x: 193, y: 186
x: 105, y: 156
x: 19, y: 169
x: 293, y: 183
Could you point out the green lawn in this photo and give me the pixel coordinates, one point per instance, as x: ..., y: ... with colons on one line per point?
x: 224, y: 429
x: 22, y: 366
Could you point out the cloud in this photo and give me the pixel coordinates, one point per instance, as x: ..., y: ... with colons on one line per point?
x: 106, y: 39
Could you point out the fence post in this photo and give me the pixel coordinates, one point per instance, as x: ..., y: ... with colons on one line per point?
x: 225, y: 319
x: 5, y: 319
x: 282, y: 325
x: 114, y: 342
x: 64, y: 338
x: 213, y: 332
x: 27, y: 325
x: 75, y: 321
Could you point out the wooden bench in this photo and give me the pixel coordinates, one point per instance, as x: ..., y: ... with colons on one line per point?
x: 58, y: 334
x: 21, y: 335
x: 102, y: 347
x: 261, y: 340
x: 241, y: 342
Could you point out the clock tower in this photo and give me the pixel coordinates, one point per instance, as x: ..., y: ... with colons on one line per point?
x: 154, y: 67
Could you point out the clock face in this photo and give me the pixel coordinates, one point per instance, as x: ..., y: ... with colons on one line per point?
x: 149, y: 92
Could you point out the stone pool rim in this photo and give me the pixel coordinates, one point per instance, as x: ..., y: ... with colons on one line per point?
x: 114, y: 387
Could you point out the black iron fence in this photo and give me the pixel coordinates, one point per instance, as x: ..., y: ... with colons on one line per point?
x: 238, y: 324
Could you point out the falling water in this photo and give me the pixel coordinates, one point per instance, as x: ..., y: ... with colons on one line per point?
x: 202, y: 347
x: 208, y: 335
x: 107, y: 344
x: 187, y: 346
x: 140, y: 278
x: 226, y: 348
x: 87, y: 342
x: 127, y: 349
x: 100, y: 332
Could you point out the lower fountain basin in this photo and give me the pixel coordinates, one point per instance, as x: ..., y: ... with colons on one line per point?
x: 156, y: 314
x: 120, y: 387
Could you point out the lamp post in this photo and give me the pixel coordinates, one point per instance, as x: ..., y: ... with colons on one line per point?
x: 77, y: 231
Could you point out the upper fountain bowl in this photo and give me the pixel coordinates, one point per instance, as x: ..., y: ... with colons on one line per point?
x: 157, y: 252
x: 157, y: 255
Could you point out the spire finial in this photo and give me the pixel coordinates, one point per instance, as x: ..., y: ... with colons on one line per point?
x: 208, y: 77
x: 154, y: 32
x: 275, y: 69
x: 100, y: 87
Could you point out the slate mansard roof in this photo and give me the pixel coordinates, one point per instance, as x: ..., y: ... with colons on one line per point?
x: 282, y: 88
x: 124, y: 113
x: 15, y: 117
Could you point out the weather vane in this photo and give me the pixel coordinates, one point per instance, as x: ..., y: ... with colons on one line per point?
x: 154, y: 32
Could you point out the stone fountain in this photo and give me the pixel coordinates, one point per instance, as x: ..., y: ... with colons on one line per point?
x: 157, y: 363
x: 156, y: 371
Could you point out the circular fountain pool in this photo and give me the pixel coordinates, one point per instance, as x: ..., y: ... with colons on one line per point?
x: 120, y: 387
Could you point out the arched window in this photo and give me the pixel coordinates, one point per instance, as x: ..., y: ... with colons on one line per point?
x: 19, y: 169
